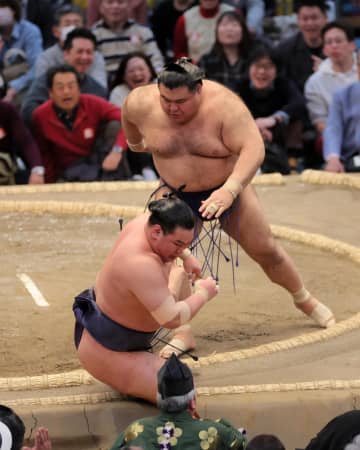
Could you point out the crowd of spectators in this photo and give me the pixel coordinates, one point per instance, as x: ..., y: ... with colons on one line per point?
x: 301, y: 87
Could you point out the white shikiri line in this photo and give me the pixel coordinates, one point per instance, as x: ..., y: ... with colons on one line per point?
x: 33, y: 290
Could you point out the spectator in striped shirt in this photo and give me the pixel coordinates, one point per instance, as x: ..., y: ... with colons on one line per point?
x: 118, y: 35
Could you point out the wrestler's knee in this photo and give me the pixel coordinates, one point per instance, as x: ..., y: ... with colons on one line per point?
x: 267, y: 252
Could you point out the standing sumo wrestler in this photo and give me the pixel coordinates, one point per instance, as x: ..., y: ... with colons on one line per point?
x: 207, y: 148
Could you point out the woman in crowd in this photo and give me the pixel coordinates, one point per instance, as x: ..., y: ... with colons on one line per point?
x: 226, y: 62
x: 275, y: 102
x: 134, y: 70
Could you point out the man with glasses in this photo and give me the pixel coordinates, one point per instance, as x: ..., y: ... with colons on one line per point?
x: 207, y: 148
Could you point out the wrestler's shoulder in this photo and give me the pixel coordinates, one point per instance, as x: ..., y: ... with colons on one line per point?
x: 134, y: 255
x: 142, y: 95
x: 217, y: 94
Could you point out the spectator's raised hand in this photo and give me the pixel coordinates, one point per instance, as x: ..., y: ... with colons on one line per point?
x: 42, y: 440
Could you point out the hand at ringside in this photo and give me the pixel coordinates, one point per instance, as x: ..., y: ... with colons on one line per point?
x: 42, y: 440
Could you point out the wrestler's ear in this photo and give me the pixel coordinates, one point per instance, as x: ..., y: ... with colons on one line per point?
x: 198, y: 88
x: 156, y: 232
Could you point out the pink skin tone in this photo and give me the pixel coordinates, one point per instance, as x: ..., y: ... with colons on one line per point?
x: 42, y: 440
x: 179, y: 104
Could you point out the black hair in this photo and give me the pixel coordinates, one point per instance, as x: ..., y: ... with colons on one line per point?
x: 63, y: 68
x: 67, y: 9
x: 349, y: 32
x: 120, y: 73
x: 180, y: 73
x: 14, y: 5
x: 321, y: 4
x: 265, y: 442
x: 15, y: 425
x: 171, y: 213
x: 247, y: 40
x: 264, y: 51
x: 80, y: 32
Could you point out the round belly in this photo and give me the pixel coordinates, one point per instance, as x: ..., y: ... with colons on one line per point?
x: 197, y: 173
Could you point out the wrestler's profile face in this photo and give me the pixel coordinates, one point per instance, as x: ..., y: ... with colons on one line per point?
x: 180, y: 104
x: 170, y: 246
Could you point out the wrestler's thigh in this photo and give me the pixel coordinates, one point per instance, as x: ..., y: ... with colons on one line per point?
x: 248, y: 225
x: 124, y: 371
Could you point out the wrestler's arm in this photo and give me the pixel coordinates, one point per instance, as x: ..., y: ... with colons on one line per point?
x: 150, y: 287
x: 241, y: 137
x: 130, y: 113
x: 191, y: 264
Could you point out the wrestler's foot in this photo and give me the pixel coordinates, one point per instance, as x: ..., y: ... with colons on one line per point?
x: 182, y: 342
x: 321, y: 314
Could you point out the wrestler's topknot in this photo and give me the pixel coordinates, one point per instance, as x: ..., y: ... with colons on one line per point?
x: 170, y: 213
x: 181, y: 72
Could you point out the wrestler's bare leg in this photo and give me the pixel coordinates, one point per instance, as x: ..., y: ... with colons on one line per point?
x: 130, y: 373
x: 248, y: 226
x: 183, y: 338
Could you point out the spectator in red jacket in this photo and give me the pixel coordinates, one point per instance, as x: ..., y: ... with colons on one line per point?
x: 78, y: 134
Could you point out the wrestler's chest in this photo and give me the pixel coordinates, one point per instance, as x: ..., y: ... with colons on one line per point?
x: 186, y: 142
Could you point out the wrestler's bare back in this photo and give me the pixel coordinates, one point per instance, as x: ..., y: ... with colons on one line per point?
x: 112, y: 283
x: 206, y: 147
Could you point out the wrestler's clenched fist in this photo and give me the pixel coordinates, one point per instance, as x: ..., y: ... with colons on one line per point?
x: 206, y: 288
